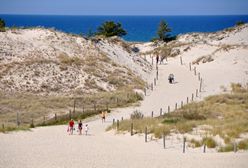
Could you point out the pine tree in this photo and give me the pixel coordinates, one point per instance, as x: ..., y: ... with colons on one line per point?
x: 163, y: 31
x: 110, y: 28
x: 2, y: 24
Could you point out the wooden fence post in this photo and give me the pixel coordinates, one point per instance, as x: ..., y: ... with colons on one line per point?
x: 184, y: 142
x: 152, y: 60
x: 70, y: 114
x: 168, y: 109
x: 195, y: 71
x: 117, y: 125
x: 199, y: 76
x: 176, y: 106
x: 3, y: 126
x: 164, y: 140
x: 55, y: 117
x: 181, y: 60
x: 145, y: 91
x: 152, y: 114
x: 121, y: 118
x: 161, y: 111
x: 204, y: 148
x: 192, y: 99
x: 74, y: 106
x: 201, y: 85
x: 190, y: 66
x: 107, y: 106
x: 181, y: 104
x: 17, y: 119
x: 95, y: 107
x: 187, y: 100
x: 131, y: 131
x: 155, y: 82
x: 113, y: 121
x: 157, y: 74
x: 32, y: 123
x: 44, y: 120
x: 152, y: 86
x: 146, y: 134
x: 196, y: 93
x: 235, y: 147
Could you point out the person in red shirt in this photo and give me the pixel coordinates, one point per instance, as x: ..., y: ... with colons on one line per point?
x: 71, y: 125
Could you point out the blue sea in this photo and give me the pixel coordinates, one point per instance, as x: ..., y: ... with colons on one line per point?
x: 139, y: 28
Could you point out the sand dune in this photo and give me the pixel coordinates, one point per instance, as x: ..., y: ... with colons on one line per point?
x: 52, y: 147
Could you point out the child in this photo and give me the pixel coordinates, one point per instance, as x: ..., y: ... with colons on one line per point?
x: 86, y: 129
x: 71, y: 125
x: 80, y: 127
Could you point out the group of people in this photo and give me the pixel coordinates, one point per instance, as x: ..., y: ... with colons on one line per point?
x: 71, y: 127
x: 80, y: 128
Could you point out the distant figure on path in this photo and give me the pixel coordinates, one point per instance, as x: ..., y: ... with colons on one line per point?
x: 86, y: 129
x: 103, y: 116
x: 71, y: 125
x: 80, y: 127
x: 171, y: 78
x: 157, y: 59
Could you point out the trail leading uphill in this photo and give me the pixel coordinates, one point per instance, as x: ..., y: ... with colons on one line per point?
x: 52, y: 147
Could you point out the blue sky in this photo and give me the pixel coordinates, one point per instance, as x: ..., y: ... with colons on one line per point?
x: 125, y: 7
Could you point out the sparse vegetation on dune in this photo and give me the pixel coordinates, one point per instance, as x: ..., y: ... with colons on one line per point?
x: 225, y: 115
x: 37, y: 107
x: 45, y: 80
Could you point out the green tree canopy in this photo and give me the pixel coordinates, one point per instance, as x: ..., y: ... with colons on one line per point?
x: 110, y: 29
x: 163, y: 31
x: 2, y: 24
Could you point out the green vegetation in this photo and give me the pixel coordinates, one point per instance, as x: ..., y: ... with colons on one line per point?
x: 37, y: 107
x: 110, y: 28
x: 239, y: 23
x: 137, y: 115
x: 195, y: 143
x: 2, y: 25
x: 209, y: 142
x: 163, y: 31
x: 243, y: 144
x: 224, y: 115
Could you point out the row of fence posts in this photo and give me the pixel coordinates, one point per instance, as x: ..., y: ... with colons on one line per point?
x: 161, y: 112
x: 18, y: 121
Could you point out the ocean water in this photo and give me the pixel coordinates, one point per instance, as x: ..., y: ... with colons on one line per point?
x: 139, y: 28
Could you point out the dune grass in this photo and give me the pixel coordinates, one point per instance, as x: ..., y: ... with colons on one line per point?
x: 225, y: 114
x: 35, y: 107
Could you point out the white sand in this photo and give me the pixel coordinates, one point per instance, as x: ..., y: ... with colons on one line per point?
x: 52, y: 147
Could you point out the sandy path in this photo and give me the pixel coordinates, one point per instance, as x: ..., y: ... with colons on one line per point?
x: 52, y: 147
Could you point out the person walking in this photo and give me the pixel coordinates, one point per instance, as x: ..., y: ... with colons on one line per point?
x: 71, y: 127
x: 86, y: 129
x: 80, y: 127
x: 157, y: 59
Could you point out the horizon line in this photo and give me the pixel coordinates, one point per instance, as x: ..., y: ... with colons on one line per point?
x: 125, y: 15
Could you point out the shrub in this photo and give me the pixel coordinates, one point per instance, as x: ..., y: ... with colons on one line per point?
x: 239, y: 23
x: 137, y: 115
x: 196, y: 143
x: 210, y: 142
x: 243, y: 144
x: 227, y: 148
x: 2, y: 25
x: 110, y: 28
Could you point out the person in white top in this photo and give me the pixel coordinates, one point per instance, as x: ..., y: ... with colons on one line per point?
x: 86, y: 129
